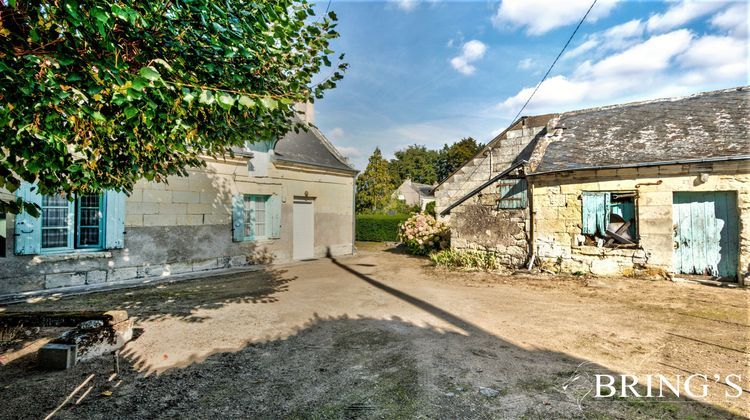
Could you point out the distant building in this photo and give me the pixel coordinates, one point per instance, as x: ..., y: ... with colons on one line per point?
x: 414, y: 193
x: 659, y: 186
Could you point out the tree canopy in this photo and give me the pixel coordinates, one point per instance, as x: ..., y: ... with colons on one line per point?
x: 452, y: 157
x: 97, y: 94
x: 375, y: 185
x: 416, y: 163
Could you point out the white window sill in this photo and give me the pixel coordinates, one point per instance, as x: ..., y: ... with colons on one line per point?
x: 71, y: 255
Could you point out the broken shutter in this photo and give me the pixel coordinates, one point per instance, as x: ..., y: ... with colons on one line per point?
x: 595, y: 212
x: 238, y: 217
x: 114, y: 212
x: 273, y: 214
x: 512, y: 194
x: 28, y: 229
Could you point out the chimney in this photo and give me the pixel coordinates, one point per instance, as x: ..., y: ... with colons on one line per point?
x: 306, y: 112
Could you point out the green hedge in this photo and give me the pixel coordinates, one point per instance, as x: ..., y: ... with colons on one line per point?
x: 379, y: 227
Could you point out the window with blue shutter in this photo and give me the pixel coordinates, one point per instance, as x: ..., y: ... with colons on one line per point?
x: 256, y: 217
x: 609, y: 210
x: 89, y: 222
x: 512, y: 194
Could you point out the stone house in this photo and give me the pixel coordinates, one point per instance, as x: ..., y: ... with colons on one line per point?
x: 660, y: 186
x: 293, y: 199
x: 414, y: 193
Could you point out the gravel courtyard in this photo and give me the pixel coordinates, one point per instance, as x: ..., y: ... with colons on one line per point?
x: 383, y: 335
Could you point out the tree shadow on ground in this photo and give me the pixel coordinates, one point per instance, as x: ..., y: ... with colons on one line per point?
x: 350, y: 367
x: 347, y: 367
x: 175, y: 299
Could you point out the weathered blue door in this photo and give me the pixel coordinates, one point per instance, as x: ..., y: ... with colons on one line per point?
x: 705, y: 233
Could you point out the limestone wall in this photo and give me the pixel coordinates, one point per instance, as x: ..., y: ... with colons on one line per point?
x: 557, y: 214
x: 477, y: 223
x: 185, y: 226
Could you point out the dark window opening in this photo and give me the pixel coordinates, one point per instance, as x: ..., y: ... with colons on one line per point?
x: 609, y: 219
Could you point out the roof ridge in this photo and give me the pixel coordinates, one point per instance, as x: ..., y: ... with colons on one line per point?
x: 745, y: 88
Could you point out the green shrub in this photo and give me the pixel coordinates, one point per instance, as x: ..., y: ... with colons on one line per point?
x: 378, y: 227
x: 422, y: 234
x: 430, y: 209
x: 471, y: 259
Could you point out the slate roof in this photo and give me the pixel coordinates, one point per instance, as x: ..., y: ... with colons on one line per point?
x: 707, y: 126
x: 310, y: 148
x: 423, y: 190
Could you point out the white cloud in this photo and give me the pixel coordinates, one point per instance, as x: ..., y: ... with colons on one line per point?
x: 470, y: 52
x: 526, y: 63
x: 541, y: 16
x: 349, y: 152
x: 652, y: 55
x: 734, y: 20
x: 669, y: 64
x: 406, y: 5
x: 627, y: 30
x: 719, y: 57
x: 587, y: 46
x: 681, y: 13
x: 336, y: 134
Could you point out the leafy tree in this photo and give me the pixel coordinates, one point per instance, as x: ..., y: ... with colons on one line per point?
x: 453, y: 156
x: 374, y: 185
x: 416, y: 163
x: 97, y: 94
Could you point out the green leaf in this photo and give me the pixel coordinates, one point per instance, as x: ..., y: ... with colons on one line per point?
x: 139, y: 83
x: 206, y: 97
x: 130, y: 112
x: 246, y: 101
x: 150, y: 73
x: 226, y: 101
x: 269, y: 103
x: 189, y: 97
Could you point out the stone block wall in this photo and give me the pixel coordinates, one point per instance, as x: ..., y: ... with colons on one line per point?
x: 477, y: 223
x: 185, y: 226
x: 557, y: 214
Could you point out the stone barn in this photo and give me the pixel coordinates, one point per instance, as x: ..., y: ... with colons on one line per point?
x: 660, y: 186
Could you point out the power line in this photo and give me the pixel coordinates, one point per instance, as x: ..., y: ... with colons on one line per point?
x: 535, y: 89
x: 554, y: 62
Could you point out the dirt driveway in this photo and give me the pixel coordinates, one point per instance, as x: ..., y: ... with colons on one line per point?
x: 384, y: 335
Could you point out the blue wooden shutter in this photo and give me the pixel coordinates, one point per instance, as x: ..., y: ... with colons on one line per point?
x: 512, y: 194
x: 238, y: 217
x: 28, y: 229
x: 114, y: 213
x: 273, y: 214
x: 595, y: 213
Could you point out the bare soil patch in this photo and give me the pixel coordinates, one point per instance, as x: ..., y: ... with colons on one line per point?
x: 384, y: 334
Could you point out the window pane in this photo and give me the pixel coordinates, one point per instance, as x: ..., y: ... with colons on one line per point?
x: 260, y: 216
x: 89, y: 221
x: 55, y: 219
x: 90, y: 201
x: 54, y: 201
x: 88, y: 236
x: 55, y: 238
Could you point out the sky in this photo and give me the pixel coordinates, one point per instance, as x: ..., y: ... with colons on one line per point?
x: 433, y: 72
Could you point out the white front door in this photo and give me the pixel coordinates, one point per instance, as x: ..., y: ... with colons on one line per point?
x: 303, y: 246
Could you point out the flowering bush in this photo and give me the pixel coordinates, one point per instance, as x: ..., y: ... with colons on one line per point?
x: 422, y: 234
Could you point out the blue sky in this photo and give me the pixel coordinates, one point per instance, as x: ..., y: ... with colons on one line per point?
x: 432, y: 72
